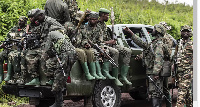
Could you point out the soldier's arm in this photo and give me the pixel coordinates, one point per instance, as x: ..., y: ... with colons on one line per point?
x: 158, y: 62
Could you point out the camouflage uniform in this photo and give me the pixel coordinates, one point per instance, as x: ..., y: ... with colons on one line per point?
x: 168, y: 41
x: 153, y: 54
x: 185, y: 71
x: 58, y: 10
x: 73, y: 9
x: 13, y: 52
x: 116, y: 53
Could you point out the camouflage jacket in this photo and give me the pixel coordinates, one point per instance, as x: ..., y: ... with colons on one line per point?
x: 168, y: 41
x: 185, y: 56
x: 153, y: 54
x: 94, y: 34
x: 106, y: 36
x: 73, y: 8
x: 58, y: 10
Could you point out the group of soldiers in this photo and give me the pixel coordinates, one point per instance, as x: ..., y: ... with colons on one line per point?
x: 61, y: 34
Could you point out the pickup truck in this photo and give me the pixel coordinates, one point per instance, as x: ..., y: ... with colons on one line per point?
x: 99, y: 93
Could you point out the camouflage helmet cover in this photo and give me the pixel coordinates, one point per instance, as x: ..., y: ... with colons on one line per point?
x: 79, y: 14
x: 160, y: 28
x: 34, y: 12
x: 23, y: 18
x: 165, y: 25
x: 186, y: 27
x: 94, y: 14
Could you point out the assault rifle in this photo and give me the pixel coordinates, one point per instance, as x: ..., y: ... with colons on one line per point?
x: 104, y: 53
x: 31, y: 40
x: 9, y: 43
x: 59, y: 61
x: 72, y: 36
x: 159, y: 89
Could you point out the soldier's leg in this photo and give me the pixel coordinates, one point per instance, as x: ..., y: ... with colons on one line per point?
x: 83, y: 61
x: 154, y: 91
x: 58, y: 87
x: 106, y: 63
x: 32, y: 59
x: 91, y: 61
x: 165, y: 84
x: 3, y: 56
x: 51, y: 68
x: 11, y: 56
x: 126, y: 56
x: 23, y: 68
x: 115, y: 71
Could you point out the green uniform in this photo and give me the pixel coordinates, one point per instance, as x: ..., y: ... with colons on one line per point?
x: 58, y: 10
x: 73, y: 8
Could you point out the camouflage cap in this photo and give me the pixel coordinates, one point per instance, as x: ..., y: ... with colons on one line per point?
x: 160, y: 28
x: 79, y: 14
x: 104, y: 10
x: 186, y: 27
x: 165, y: 25
x: 94, y: 14
x: 23, y: 18
x: 34, y: 12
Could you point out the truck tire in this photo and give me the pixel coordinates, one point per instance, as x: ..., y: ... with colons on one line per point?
x: 106, y: 94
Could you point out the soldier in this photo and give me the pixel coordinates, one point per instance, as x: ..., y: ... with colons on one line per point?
x: 5, y: 52
x: 115, y: 52
x: 87, y: 54
x: 14, y: 56
x: 60, y: 52
x: 73, y: 9
x: 153, y: 57
x: 185, y: 68
x: 58, y: 10
x: 169, y: 41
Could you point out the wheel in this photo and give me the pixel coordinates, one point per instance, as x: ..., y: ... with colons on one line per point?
x: 106, y: 94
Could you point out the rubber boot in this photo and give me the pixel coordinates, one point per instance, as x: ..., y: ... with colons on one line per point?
x: 124, y: 71
x: 86, y: 70
x: 105, y: 70
x: 1, y: 73
x: 35, y: 81
x: 115, y: 74
x: 155, y: 102
x: 58, y: 99
x: 93, y: 70
x: 99, y: 70
x: 8, y: 75
x: 167, y: 102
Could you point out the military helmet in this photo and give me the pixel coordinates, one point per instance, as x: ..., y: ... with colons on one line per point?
x: 160, y: 28
x: 34, y: 12
x: 23, y: 18
x: 165, y: 25
x: 94, y: 14
x: 186, y: 27
x: 79, y: 14
x: 104, y: 10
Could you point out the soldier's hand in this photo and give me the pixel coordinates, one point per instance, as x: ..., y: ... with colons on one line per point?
x: 128, y: 31
x: 138, y: 57
x: 156, y: 77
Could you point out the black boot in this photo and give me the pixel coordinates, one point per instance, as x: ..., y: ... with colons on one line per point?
x: 156, y: 102
x: 58, y: 99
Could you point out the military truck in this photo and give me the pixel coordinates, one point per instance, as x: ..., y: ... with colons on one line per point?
x: 99, y: 93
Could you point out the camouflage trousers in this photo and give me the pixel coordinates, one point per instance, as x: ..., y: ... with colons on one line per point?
x: 153, y: 90
x: 85, y: 55
x: 3, y: 56
x: 14, y: 58
x: 33, y: 61
x: 55, y: 74
x: 122, y: 52
x: 185, y: 89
